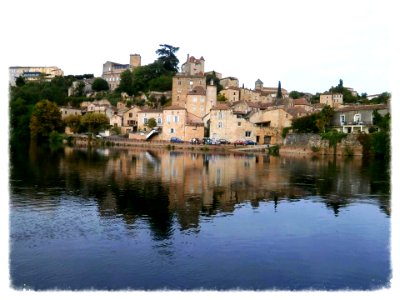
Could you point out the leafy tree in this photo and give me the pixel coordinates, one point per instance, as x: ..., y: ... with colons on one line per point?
x: 324, y: 118
x: 296, y: 95
x: 126, y: 83
x: 382, y: 98
x: 151, y: 123
x: 20, y: 81
x: 20, y: 115
x: 383, y: 122
x: 306, y: 124
x: 73, y: 122
x: 213, y: 76
x: 79, y: 89
x: 94, y: 122
x: 168, y: 58
x: 99, y: 84
x: 46, y: 117
x: 279, y: 93
x: 221, y: 97
x: 161, y: 84
x: 347, y: 95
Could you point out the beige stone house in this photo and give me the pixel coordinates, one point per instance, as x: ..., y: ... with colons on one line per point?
x: 229, y: 82
x: 131, y: 117
x: 70, y: 111
x: 144, y: 115
x: 181, y: 124
x: 232, y: 94
x: 112, y: 70
x: 334, y: 100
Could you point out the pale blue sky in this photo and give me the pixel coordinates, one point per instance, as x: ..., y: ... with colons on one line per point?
x: 308, y: 45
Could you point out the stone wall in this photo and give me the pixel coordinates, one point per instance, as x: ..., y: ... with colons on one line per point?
x: 308, y: 143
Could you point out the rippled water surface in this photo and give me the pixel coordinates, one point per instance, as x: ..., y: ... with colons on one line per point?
x: 152, y: 219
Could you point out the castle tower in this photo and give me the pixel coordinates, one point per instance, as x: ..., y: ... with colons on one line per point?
x: 259, y: 84
x: 135, y: 60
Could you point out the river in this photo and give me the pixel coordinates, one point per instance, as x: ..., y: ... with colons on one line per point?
x: 142, y: 219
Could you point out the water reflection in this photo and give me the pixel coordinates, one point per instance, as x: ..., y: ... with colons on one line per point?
x: 158, y: 185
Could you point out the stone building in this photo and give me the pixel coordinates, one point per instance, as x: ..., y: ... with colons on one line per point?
x: 229, y: 82
x: 112, y: 70
x: 144, y: 115
x: 181, y: 124
x: 70, y: 111
x: 334, y: 100
x: 33, y: 73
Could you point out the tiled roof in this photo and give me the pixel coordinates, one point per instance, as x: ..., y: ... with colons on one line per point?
x: 300, y: 101
x: 174, y: 107
x: 220, y: 106
x: 197, y: 90
x: 362, y: 107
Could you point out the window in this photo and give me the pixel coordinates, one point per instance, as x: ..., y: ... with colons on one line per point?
x: 145, y: 120
x: 159, y: 121
x: 130, y: 115
x: 220, y: 115
x: 176, y: 119
x: 239, y: 123
x: 220, y: 125
x: 179, y: 82
x: 194, y: 99
x: 202, y: 99
x: 342, y: 119
x: 248, y: 133
x: 171, y: 130
x: 357, y: 118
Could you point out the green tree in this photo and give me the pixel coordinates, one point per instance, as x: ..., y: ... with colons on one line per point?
x: 94, y: 122
x: 20, y: 81
x: 79, y: 89
x: 126, y: 83
x: 306, y: 124
x: 99, y: 84
x: 348, y: 97
x: 46, y: 117
x: 324, y: 118
x: 151, y: 123
x: 279, y: 93
x: 296, y: 94
x: 221, y: 97
x: 73, y: 122
x: 168, y: 58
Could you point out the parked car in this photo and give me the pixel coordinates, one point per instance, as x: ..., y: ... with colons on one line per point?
x: 250, y: 142
x: 238, y: 142
x: 176, y: 140
x: 207, y: 141
x: 224, y: 141
x: 195, y: 141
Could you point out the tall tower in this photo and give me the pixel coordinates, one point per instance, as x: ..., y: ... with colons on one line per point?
x: 135, y: 60
x: 259, y: 84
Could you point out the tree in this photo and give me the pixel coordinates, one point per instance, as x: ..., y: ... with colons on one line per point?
x: 94, y: 122
x: 151, y: 123
x: 126, y: 83
x: 279, y: 93
x: 46, y: 117
x: 296, y: 94
x: 324, y: 117
x: 99, y: 84
x: 168, y: 58
x: 73, y: 122
x: 20, y: 81
x: 212, y: 76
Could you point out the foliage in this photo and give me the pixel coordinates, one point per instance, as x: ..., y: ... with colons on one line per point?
x: 126, y: 83
x: 46, y: 117
x: 285, y: 131
x: 99, y: 84
x: 168, y: 58
x: 151, y: 123
x: 347, y: 95
x: 79, y: 89
x: 383, y: 122
x: 306, y: 124
x: 382, y: 98
x: 279, y: 93
x: 20, y: 115
x: 94, y: 122
x: 20, y: 81
x: 55, y: 140
x: 221, y: 98
x: 213, y: 76
x: 73, y: 122
x: 333, y: 137
x: 273, y: 150
x: 296, y: 94
x: 324, y: 118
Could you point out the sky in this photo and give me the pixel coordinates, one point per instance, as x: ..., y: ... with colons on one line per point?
x: 308, y: 45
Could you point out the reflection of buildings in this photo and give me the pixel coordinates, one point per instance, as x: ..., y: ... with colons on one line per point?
x: 207, y: 183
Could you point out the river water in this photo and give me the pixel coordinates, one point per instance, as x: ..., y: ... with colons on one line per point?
x: 138, y: 219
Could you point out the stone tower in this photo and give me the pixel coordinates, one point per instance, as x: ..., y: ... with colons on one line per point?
x: 135, y: 60
x: 259, y: 84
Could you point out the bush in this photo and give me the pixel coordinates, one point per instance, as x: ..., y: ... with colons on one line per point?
x: 273, y: 150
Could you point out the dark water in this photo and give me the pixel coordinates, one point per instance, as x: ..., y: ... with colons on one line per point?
x: 137, y: 219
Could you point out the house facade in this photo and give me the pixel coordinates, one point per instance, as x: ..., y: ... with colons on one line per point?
x: 70, y: 111
x: 334, y: 100
x: 34, y: 73
x: 143, y: 116
x: 357, y: 118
